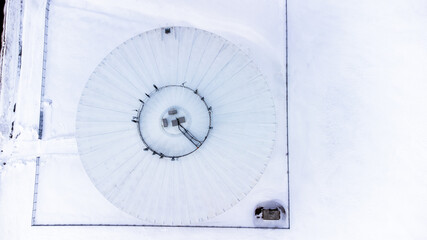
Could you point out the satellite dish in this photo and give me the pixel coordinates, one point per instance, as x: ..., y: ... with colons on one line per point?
x: 175, y: 126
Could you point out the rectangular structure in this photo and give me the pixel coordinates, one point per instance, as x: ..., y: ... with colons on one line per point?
x: 78, y: 39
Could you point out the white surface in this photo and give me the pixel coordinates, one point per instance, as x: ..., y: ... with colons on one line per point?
x: 357, y: 130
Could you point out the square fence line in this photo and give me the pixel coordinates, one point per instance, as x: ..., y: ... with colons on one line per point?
x: 36, y: 182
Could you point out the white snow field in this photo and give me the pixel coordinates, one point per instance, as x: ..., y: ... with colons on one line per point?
x: 357, y: 114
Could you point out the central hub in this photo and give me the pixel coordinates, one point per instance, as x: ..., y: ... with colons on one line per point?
x: 174, y: 121
x: 173, y: 117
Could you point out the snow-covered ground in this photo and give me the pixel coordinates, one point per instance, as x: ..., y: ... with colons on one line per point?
x: 357, y: 123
